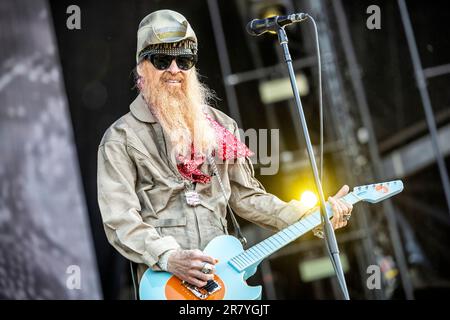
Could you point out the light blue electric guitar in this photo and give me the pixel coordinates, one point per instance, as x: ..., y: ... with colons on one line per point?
x: 236, y: 264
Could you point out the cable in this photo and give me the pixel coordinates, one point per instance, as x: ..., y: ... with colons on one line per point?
x: 319, y: 65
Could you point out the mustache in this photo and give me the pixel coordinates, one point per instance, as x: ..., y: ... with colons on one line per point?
x: 168, y: 76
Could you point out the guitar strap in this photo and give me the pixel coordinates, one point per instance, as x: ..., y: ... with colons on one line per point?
x: 237, y: 228
x: 133, y: 271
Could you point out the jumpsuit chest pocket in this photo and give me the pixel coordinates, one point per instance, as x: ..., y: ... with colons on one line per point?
x: 210, y: 217
x: 157, y: 200
x: 173, y: 227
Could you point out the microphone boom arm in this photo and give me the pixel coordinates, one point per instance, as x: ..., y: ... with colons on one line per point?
x: 257, y: 27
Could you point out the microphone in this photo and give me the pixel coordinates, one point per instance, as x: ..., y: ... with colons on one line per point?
x: 257, y: 27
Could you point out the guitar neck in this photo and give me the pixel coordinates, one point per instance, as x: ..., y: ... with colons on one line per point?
x: 277, y: 241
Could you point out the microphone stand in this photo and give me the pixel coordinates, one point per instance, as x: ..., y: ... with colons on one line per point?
x: 330, y: 237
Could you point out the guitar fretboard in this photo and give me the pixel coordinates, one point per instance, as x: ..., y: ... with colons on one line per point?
x: 274, y: 243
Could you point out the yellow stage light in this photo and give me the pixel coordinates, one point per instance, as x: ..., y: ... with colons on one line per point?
x: 308, y: 199
x: 271, y: 12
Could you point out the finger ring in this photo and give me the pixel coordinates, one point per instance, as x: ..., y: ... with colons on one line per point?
x: 207, y: 268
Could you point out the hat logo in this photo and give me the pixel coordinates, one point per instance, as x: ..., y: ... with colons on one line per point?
x: 169, y: 33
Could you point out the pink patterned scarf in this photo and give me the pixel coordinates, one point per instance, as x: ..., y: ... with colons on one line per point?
x: 229, y: 147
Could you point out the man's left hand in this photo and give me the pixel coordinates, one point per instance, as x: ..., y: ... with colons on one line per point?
x: 341, y: 210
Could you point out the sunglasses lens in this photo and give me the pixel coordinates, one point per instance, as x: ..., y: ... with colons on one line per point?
x: 161, y: 61
x: 186, y: 62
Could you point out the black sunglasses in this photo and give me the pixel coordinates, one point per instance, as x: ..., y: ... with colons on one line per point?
x: 163, y: 61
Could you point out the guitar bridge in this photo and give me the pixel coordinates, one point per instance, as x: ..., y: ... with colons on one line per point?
x: 203, y: 292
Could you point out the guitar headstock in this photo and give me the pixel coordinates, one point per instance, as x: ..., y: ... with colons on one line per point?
x: 377, y: 192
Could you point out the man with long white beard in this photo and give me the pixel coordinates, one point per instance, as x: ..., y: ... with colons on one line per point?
x: 160, y: 197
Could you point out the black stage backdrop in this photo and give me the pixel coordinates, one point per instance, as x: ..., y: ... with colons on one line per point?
x: 45, y: 238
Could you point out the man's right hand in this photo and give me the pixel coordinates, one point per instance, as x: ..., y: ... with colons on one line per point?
x: 187, y: 265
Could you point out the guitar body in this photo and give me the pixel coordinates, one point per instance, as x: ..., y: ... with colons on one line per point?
x: 158, y: 285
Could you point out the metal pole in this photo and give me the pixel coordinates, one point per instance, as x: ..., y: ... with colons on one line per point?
x: 373, y: 147
x: 426, y: 102
x: 224, y: 60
